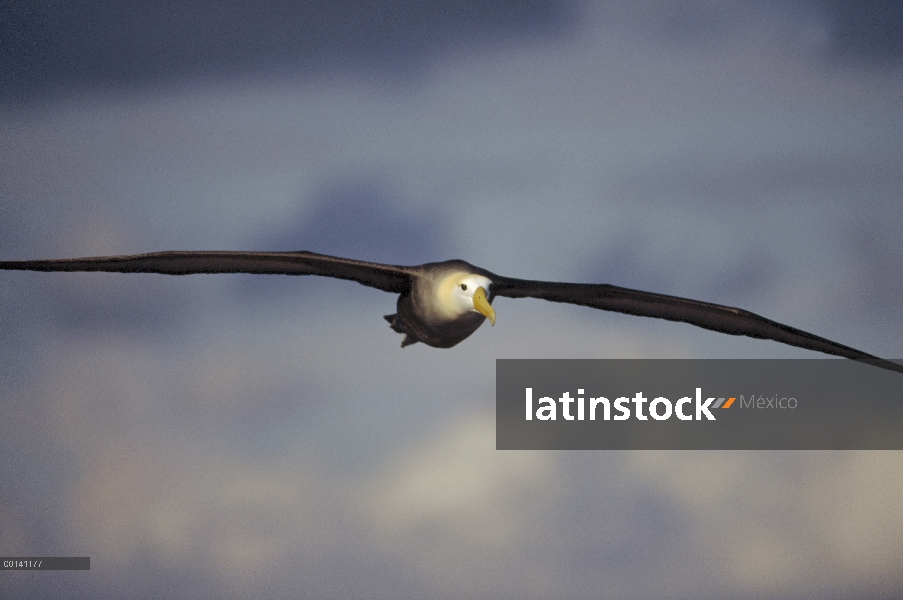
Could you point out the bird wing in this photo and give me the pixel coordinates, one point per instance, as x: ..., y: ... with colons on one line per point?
x: 389, y: 278
x: 724, y: 319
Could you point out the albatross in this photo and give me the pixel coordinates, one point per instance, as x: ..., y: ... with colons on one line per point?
x: 440, y: 304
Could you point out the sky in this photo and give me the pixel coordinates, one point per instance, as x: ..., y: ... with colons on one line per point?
x: 221, y: 436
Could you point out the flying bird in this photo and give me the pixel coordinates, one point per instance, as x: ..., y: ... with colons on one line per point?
x: 441, y: 304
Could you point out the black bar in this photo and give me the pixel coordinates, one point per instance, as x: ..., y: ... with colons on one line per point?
x: 45, y: 563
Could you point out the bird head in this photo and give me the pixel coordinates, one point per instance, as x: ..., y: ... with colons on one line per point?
x: 466, y: 292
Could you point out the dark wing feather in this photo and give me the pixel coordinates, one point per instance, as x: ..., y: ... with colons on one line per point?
x: 724, y: 319
x: 388, y: 278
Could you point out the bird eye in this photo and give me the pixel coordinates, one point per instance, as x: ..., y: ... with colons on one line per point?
x: 464, y: 286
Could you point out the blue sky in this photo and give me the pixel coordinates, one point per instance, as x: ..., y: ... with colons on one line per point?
x: 221, y: 436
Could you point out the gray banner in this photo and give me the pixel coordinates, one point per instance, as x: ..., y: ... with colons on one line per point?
x: 45, y: 563
x: 682, y: 404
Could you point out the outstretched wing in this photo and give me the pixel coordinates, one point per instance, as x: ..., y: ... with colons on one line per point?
x: 389, y: 278
x: 724, y: 319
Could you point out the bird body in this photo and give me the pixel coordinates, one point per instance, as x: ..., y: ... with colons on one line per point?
x: 441, y: 304
x: 439, y: 309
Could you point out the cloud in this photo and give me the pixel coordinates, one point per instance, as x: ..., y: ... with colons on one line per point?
x: 812, y: 530
x: 355, y: 218
x: 51, y: 48
x: 870, y: 31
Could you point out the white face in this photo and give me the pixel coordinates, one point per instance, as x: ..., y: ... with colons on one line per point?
x: 462, y: 288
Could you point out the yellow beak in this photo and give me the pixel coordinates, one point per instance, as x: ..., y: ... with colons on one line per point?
x: 482, y: 306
